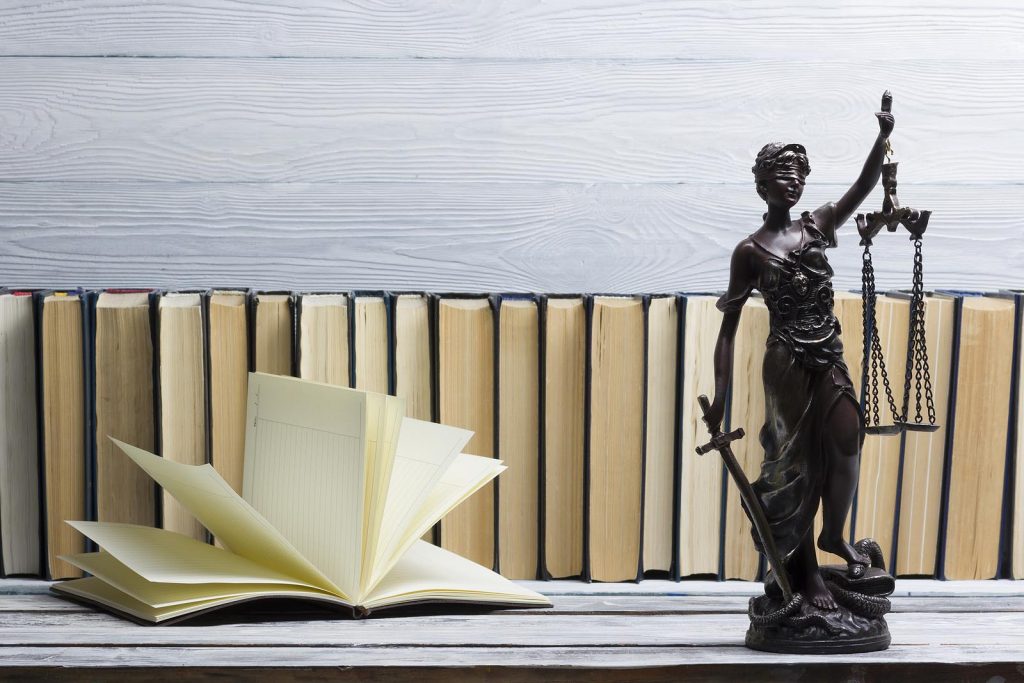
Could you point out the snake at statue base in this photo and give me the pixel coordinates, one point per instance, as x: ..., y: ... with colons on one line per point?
x: 870, y: 547
x: 870, y: 606
x: 775, y: 617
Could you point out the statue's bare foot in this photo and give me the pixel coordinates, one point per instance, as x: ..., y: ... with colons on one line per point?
x: 818, y: 593
x: 857, y: 563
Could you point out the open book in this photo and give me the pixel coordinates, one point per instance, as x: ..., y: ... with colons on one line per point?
x: 338, y: 489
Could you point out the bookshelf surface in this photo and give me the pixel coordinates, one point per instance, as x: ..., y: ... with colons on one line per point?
x: 655, y: 630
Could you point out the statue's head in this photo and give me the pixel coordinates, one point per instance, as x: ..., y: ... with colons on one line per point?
x: 780, y: 171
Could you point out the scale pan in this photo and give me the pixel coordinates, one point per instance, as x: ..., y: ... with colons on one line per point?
x: 919, y: 426
x: 885, y: 430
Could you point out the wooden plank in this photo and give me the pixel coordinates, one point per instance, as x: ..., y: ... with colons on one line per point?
x: 703, y: 29
x: 275, y: 120
x: 996, y: 630
x: 995, y: 591
x: 512, y: 664
x: 612, y: 604
x: 39, y: 603
x: 469, y: 237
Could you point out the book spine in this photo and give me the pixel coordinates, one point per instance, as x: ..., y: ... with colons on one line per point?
x: 297, y: 334
x: 44, y: 541
x: 494, y: 301
x: 252, y: 303
x: 433, y: 304
x: 158, y: 437
x: 89, y: 300
x: 204, y: 308
x: 588, y: 312
x: 1006, y: 540
x: 351, y: 322
x: 677, y: 470
x: 542, y: 508
x: 940, y: 556
x: 204, y: 302
x: 293, y: 303
x: 390, y: 305
x: 646, y: 307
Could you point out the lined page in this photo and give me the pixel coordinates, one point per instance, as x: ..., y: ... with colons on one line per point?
x: 239, y: 527
x: 169, y: 557
x: 305, y: 472
x: 384, y: 419
x: 97, y: 590
x: 429, y: 572
x: 156, y: 594
x: 425, y: 451
x: 466, y: 475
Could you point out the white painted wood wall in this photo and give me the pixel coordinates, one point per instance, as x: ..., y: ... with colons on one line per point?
x: 489, y: 145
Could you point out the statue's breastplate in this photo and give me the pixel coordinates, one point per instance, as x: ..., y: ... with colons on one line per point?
x: 798, y: 293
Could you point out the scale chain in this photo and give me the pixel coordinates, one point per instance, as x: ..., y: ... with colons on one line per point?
x: 874, y: 358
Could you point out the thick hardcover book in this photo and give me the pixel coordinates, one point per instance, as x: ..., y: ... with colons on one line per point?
x: 746, y: 409
x: 563, y: 360
x: 518, y: 436
x: 323, y: 346
x: 875, y: 505
x: 701, y: 477
x: 20, y: 546
x: 412, y: 358
x: 65, y: 424
x: 370, y: 341
x: 181, y: 405
x: 272, y: 336
x: 1013, y: 536
x: 338, y: 489
x: 924, y: 453
x: 228, y: 359
x: 614, y: 450
x: 466, y: 388
x: 973, y: 481
x: 411, y: 351
x: 660, y: 447
x: 123, y: 403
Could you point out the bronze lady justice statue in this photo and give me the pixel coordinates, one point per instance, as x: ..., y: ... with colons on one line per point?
x: 812, y: 434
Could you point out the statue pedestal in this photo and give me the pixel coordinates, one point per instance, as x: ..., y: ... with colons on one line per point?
x: 798, y: 627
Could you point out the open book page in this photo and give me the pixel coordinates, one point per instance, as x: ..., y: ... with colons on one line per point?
x: 427, y: 572
x: 234, y: 522
x: 305, y: 446
x: 156, y: 594
x: 465, y: 476
x: 98, y: 591
x: 425, y: 452
x: 383, y: 420
x: 167, y: 556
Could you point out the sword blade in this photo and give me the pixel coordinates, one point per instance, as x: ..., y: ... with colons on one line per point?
x: 757, y: 518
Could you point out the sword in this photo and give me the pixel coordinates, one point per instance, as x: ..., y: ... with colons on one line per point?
x: 720, y: 442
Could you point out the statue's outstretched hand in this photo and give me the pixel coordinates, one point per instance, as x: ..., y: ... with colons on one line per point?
x: 886, y: 122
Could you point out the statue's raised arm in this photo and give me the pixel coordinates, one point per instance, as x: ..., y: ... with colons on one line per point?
x: 872, y: 170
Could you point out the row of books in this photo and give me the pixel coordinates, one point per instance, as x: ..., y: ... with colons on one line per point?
x: 589, y: 399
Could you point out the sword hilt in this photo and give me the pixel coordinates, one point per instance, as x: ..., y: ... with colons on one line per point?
x: 720, y: 441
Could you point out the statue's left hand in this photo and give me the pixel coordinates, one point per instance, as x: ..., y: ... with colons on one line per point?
x: 886, y: 122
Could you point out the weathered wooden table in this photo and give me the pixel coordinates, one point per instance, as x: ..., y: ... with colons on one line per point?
x: 652, y: 631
